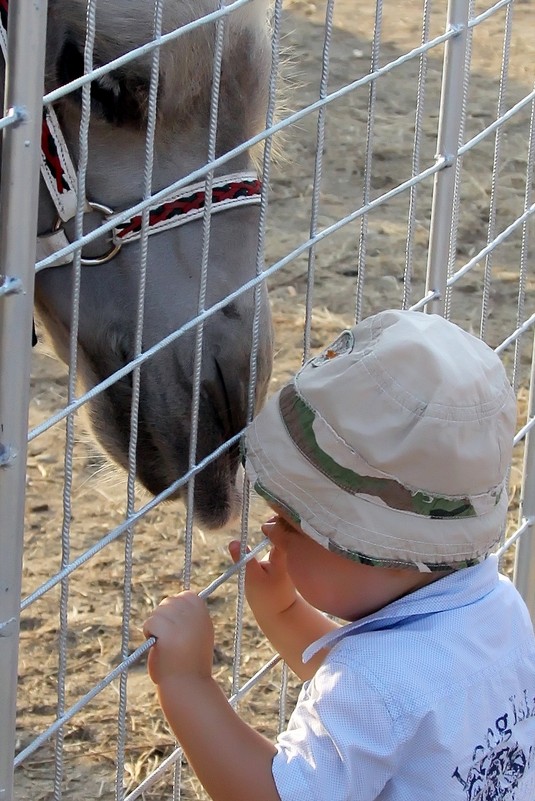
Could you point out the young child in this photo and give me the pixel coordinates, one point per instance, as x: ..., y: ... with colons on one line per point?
x: 385, y: 462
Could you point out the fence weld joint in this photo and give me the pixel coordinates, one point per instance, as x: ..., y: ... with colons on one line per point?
x: 7, y: 455
x: 11, y: 286
x: 8, y: 628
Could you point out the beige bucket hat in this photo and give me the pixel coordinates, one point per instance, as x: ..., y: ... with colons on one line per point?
x: 392, y: 447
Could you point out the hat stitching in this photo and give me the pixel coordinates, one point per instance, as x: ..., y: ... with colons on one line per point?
x: 492, y: 492
x: 264, y: 460
x: 481, y: 498
x: 377, y: 323
x: 271, y: 498
x: 456, y: 556
x: 361, y: 558
x: 298, y: 418
x: 432, y: 409
x: 487, y: 408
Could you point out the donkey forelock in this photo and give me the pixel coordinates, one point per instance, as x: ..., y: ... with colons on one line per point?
x: 186, y: 63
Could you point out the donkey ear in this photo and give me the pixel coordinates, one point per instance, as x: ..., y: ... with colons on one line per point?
x: 119, y: 97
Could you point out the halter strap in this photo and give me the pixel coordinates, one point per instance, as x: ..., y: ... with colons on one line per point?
x: 59, y: 174
x: 57, y: 167
x: 228, y: 191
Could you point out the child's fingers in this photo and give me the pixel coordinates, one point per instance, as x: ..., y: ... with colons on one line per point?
x: 253, y: 569
x: 234, y: 548
x: 277, y: 559
x: 172, y: 611
x: 151, y: 628
x: 158, y: 623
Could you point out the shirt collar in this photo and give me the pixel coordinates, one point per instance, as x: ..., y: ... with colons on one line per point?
x: 461, y: 588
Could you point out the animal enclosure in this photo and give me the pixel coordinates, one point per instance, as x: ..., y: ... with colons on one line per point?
x: 396, y: 156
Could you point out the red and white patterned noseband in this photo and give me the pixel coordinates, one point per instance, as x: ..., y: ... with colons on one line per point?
x: 59, y: 174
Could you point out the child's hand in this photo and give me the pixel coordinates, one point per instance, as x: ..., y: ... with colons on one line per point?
x: 184, y: 638
x: 268, y: 587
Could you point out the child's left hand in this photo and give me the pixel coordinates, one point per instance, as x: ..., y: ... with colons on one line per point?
x: 184, y: 638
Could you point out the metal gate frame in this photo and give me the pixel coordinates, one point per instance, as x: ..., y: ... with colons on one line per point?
x: 21, y: 152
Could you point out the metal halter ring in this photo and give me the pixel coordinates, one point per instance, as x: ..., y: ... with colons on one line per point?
x: 114, y: 248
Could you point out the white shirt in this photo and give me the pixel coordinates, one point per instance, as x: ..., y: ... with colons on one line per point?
x: 430, y: 699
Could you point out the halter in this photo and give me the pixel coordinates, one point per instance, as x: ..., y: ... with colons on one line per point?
x: 58, y: 172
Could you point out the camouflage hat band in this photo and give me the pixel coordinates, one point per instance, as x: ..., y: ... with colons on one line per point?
x: 300, y: 419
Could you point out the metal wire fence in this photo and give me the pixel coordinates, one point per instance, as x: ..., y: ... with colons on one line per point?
x: 366, y: 202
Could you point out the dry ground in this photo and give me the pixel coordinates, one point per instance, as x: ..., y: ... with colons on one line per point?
x: 95, y: 596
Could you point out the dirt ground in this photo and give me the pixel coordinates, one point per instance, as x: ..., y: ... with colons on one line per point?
x: 96, y: 589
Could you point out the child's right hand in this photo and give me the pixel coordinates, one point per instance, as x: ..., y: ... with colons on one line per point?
x: 268, y: 587
x: 184, y: 638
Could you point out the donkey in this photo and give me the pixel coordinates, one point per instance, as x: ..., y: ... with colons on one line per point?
x: 109, y: 291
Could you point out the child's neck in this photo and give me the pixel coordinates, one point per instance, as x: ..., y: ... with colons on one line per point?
x: 383, y: 586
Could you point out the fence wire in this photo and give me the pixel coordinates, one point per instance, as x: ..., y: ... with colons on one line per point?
x: 366, y: 203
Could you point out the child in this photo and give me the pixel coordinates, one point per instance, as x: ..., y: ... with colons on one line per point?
x: 385, y: 462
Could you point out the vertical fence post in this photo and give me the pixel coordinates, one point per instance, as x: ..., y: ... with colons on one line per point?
x: 18, y: 223
x: 524, y: 573
x: 449, y: 126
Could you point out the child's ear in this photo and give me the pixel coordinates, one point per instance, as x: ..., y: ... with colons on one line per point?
x: 119, y: 97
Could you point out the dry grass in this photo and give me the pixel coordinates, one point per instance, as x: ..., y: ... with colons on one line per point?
x: 96, y: 589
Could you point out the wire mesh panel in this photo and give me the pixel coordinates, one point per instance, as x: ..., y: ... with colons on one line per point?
x: 349, y: 159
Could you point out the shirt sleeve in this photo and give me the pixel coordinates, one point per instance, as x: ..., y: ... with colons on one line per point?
x: 343, y: 741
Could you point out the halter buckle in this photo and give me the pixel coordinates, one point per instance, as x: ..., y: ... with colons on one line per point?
x: 115, y: 247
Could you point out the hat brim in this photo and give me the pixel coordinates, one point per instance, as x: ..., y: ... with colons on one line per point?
x: 353, y: 525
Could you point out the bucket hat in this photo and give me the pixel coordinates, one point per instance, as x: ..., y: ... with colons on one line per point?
x: 392, y: 446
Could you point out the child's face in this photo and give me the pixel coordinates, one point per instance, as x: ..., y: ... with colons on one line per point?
x: 326, y: 580
x: 332, y: 583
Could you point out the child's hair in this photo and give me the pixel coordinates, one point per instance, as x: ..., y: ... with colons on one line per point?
x: 392, y: 447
